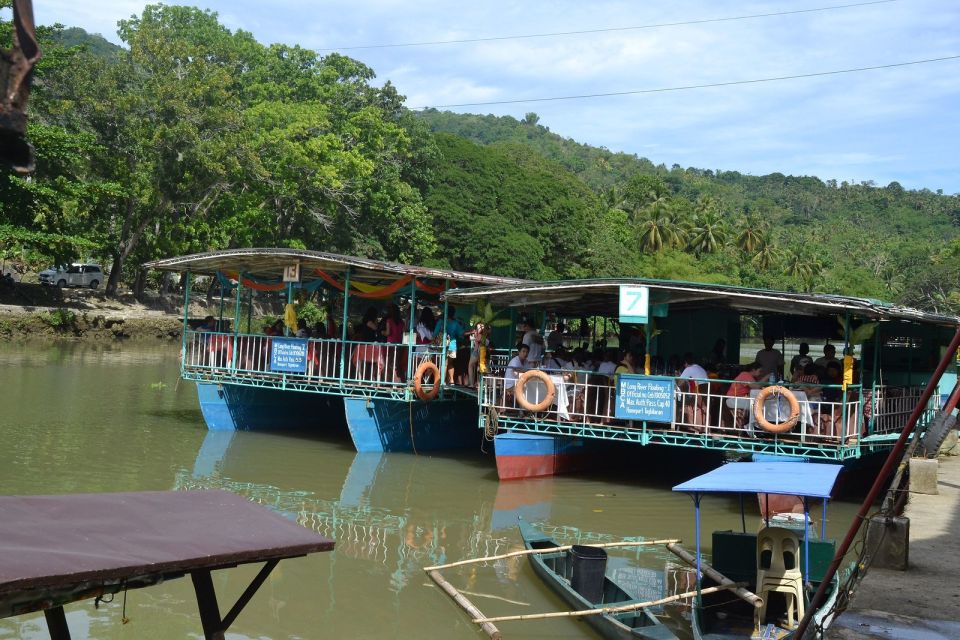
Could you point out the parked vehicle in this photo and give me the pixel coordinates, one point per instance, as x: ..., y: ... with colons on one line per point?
x: 77, y: 274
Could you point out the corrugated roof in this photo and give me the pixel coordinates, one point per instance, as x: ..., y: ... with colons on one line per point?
x: 270, y: 263
x: 601, y: 297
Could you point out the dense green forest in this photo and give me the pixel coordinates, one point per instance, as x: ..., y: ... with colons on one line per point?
x: 192, y: 138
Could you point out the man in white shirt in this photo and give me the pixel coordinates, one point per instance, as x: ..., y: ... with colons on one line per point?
x: 534, y: 342
x: 517, y: 365
x: 608, y: 367
x: 770, y: 358
x: 691, y: 369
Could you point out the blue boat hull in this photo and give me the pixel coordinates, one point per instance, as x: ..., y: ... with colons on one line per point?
x: 375, y: 425
x: 230, y: 407
x: 391, y: 425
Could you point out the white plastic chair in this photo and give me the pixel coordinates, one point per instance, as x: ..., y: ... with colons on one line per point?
x: 778, y: 570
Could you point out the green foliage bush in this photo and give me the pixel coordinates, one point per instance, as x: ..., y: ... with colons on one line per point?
x: 60, y: 319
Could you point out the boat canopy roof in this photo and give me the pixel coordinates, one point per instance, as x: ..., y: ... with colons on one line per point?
x: 600, y: 296
x: 269, y: 263
x: 806, y: 479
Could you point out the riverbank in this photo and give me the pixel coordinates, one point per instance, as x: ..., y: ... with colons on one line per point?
x: 35, y: 312
x: 920, y: 603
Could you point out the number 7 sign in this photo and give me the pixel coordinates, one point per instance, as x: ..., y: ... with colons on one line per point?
x: 634, y: 304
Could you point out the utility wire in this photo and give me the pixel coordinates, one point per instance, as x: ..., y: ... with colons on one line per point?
x: 692, y: 86
x: 610, y: 29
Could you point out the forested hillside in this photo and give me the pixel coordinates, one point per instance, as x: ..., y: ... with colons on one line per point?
x: 193, y: 138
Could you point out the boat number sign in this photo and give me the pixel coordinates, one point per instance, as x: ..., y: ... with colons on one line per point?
x: 645, y: 398
x: 634, y: 304
x: 288, y: 355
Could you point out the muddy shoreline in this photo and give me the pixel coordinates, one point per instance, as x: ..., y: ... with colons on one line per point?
x: 35, y: 312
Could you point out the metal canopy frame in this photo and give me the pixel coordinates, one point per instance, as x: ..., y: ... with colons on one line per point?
x: 600, y: 296
x: 270, y: 263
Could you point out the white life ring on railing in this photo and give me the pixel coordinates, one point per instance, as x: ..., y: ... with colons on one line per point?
x: 418, y: 376
x: 776, y: 427
x: 547, y: 382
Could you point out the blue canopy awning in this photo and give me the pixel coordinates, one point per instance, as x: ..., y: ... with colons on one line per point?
x: 808, y: 479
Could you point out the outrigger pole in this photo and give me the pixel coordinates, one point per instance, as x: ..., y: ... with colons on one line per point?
x: 878, y: 483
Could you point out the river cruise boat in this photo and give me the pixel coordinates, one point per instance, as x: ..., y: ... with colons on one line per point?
x: 870, y: 362
x: 391, y: 394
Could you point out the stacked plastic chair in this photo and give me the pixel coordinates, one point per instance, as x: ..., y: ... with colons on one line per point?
x: 778, y: 570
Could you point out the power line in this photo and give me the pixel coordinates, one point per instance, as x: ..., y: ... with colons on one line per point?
x: 609, y: 29
x: 692, y: 86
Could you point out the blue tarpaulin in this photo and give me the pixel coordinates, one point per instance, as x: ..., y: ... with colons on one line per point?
x: 812, y: 480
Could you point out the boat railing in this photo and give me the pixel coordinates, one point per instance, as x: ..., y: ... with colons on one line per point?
x: 887, y: 407
x: 700, y: 406
x: 326, y: 361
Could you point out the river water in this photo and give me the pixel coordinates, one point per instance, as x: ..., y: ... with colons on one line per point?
x: 113, y: 417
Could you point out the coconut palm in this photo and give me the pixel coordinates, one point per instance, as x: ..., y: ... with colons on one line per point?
x: 709, y: 232
x: 752, y: 235
x: 654, y: 225
x: 765, y: 254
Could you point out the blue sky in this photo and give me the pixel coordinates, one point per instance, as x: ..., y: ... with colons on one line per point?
x: 892, y: 124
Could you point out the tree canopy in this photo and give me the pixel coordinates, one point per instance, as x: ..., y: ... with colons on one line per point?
x: 193, y: 137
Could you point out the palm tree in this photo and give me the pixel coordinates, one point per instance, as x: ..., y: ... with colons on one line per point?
x: 654, y: 226
x: 709, y: 232
x: 753, y: 235
x: 764, y: 256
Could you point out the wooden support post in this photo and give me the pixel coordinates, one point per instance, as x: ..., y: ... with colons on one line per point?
x: 609, y: 610
x: 207, y: 603
x: 527, y: 552
x: 715, y: 575
x: 57, y: 623
x: 460, y: 599
x: 248, y: 593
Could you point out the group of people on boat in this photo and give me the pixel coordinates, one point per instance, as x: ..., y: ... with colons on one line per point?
x: 711, y: 391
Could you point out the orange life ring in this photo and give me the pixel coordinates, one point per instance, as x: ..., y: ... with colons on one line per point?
x: 418, y: 376
x: 548, y: 383
x: 776, y: 427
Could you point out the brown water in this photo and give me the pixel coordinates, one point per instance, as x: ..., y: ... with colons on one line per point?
x: 93, y: 418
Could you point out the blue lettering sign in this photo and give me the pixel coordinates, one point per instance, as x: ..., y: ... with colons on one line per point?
x: 288, y: 355
x: 645, y: 398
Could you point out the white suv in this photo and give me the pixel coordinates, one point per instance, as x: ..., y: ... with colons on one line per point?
x: 76, y: 275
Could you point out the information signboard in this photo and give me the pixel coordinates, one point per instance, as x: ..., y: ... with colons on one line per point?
x: 634, y: 304
x: 645, y: 398
x: 288, y: 355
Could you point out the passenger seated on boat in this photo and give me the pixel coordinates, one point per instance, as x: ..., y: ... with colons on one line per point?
x: 695, y: 385
x: 608, y: 366
x: 550, y: 362
x: 830, y: 410
x: 738, y: 396
x: 515, y: 367
x: 628, y: 364
x: 275, y: 329
x: 209, y: 324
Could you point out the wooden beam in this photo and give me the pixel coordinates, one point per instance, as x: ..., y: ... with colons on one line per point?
x: 715, y: 575
x: 607, y: 610
x: 487, y: 627
x: 527, y: 552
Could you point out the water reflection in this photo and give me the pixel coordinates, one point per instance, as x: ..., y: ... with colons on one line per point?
x: 89, y: 418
